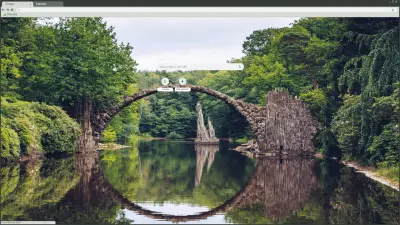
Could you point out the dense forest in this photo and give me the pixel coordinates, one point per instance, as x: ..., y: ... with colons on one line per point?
x: 345, y: 69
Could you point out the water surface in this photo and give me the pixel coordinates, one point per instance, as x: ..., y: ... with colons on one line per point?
x: 172, y: 181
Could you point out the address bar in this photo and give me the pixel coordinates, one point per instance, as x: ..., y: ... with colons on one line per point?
x: 208, y: 9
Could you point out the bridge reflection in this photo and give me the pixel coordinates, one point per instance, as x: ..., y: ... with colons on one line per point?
x: 281, y: 186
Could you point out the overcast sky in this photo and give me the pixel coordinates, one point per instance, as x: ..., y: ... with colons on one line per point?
x: 184, y: 40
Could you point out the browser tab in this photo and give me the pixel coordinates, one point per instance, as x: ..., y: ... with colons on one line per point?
x: 17, y: 4
x: 48, y: 4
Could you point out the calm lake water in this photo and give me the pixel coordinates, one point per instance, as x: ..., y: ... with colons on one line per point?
x: 178, y: 182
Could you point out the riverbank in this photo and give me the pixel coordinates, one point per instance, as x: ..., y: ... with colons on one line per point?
x: 372, y: 173
x: 111, y: 146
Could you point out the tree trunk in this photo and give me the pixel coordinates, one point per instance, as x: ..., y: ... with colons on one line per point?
x: 83, y: 111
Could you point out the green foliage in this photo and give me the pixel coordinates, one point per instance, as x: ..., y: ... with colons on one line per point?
x: 93, y: 64
x: 109, y: 135
x: 29, y: 127
x: 126, y: 123
x: 346, y: 125
x: 12, y: 53
x: 253, y: 214
x: 242, y: 140
x: 174, y: 135
x: 168, y: 112
x: 266, y: 74
x: 385, y: 147
x: 9, y: 141
x: 227, y: 121
x: 392, y: 172
x: 372, y: 77
x: 75, y: 63
x: 317, y: 101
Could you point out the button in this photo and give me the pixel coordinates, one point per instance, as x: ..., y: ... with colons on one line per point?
x: 165, y: 89
x: 164, y: 81
x: 182, y: 89
x: 182, y: 81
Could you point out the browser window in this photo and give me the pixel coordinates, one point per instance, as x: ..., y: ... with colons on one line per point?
x: 147, y: 112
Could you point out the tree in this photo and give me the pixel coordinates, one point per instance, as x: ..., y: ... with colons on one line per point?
x: 13, y: 53
x: 79, y: 65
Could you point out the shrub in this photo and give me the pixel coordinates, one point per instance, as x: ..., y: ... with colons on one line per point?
x: 242, y: 140
x: 109, y: 135
x: 31, y: 126
x: 59, y: 133
x: 174, y: 135
x: 9, y: 141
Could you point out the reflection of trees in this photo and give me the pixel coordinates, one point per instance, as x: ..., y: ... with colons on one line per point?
x: 204, y: 152
x: 340, y: 197
x: 122, y: 169
x: 359, y: 200
x: 91, y: 201
x: 285, y: 190
x: 85, y: 165
x: 167, y: 170
x: 282, y: 186
x: 33, y: 185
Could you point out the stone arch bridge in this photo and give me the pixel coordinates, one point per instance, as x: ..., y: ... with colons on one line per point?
x: 283, y: 126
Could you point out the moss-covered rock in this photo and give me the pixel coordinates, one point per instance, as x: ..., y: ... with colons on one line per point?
x: 29, y: 127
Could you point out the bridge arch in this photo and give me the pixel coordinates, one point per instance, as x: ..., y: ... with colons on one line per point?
x: 283, y: 126
x: 101, y: 120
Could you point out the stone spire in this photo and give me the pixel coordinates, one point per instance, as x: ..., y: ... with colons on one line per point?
x: 204, y: 135
x: 211, y: 131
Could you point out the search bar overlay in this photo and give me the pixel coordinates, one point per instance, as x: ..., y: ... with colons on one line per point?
x: 200, y: 66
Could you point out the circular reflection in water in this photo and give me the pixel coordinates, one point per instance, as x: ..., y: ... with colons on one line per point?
x: 122, y: 187
x: 180, y: 173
